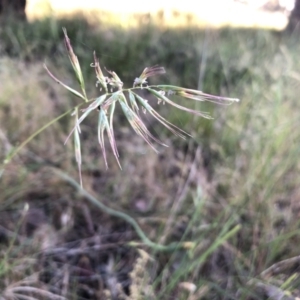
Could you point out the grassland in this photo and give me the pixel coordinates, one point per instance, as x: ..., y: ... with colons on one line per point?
x: 230, y: 194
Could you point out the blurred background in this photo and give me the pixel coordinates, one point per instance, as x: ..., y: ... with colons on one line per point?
x: 216, y: 13
x: 230, y: 193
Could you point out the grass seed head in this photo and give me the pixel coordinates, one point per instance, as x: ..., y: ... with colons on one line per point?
x: 106, y: 103
x: 100, y: 77
x: 148, y: 72
x: 74, y: 62
x: 114, y: 81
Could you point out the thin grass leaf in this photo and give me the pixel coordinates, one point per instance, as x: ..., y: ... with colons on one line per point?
x: 65, y: 86
x: 173, y: 128
x: 167, y: 100
x: 138, y: 126
x: 91, y: 107
x: 197, y: 95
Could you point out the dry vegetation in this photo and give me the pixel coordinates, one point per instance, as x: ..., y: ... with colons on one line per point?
x: 228, y: 197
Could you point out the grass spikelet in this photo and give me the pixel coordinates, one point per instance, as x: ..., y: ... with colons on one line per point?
x: 174, y: 129
x: 148, y: 72
x: 74, y: 61
x: 103, y: 125
x: 196, y: 95
x: 111, y: 118
x: 101, y: 78
x: 139, y: 127
x: 132, y: 101
x: 114, y: 80
x: 101, y: 128
x: 163, y: 98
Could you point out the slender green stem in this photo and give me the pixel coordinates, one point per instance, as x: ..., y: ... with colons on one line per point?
x: 121, y: 215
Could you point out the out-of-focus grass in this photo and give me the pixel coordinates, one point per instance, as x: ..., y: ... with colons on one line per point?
x: 241, y: 168
x: 173, y: 14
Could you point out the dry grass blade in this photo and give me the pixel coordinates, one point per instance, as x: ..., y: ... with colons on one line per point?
x: 283, y: 266
x: 267, y: 291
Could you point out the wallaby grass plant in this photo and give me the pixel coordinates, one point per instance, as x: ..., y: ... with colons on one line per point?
x: 106, y: 104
